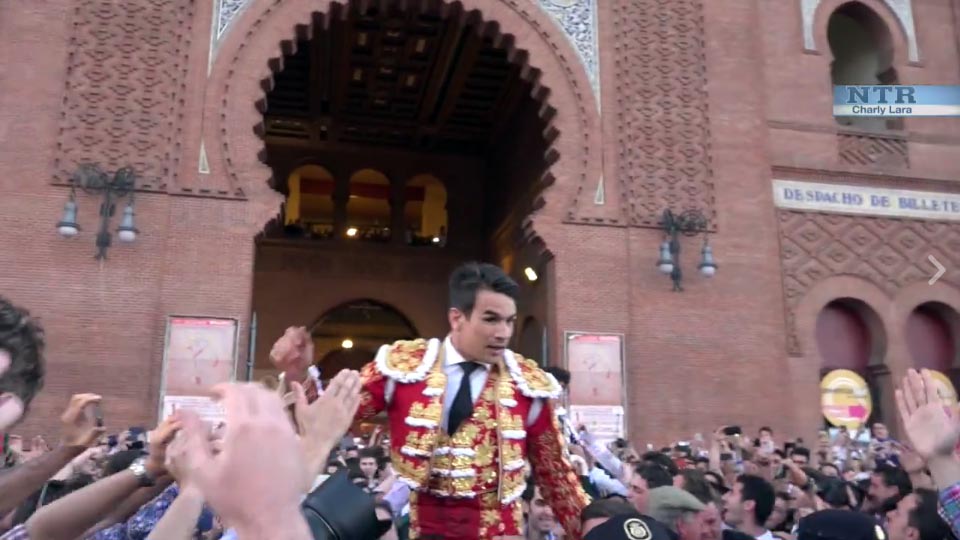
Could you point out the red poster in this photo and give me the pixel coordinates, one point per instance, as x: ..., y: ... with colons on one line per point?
x: 595, y: 362
x: 199, y: 353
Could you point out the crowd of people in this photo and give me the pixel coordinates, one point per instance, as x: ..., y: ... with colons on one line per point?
x: 284, y: 465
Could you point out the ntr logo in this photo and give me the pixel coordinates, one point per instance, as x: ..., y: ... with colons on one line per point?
x: 880, y: 95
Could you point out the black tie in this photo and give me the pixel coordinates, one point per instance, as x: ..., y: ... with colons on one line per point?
x: 463, y: 402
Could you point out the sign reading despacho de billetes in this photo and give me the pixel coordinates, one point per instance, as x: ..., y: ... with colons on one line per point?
x: 845, y: 199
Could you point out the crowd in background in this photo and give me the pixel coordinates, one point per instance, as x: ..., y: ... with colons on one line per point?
x: 186, y: 479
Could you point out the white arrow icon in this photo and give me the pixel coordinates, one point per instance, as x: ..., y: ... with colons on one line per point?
x: 940, y: 269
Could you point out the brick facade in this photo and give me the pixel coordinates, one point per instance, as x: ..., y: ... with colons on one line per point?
x: 702, y: 105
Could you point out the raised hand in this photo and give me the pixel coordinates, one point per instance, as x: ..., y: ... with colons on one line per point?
x: 160, y: 438
x: 255, y: 482
x: 325, y: 421
x: 933, y: 431
x: 79, y: 427
x: 293, y: 352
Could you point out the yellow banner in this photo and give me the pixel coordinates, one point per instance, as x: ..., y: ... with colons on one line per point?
x: 845, y: 399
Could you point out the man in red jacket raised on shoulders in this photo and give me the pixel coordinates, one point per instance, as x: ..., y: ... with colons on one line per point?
x: 465, y: 413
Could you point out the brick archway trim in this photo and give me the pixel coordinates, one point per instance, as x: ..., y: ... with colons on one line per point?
x: 252, y: 52
x: 834, y: 288
x: 898, y: 34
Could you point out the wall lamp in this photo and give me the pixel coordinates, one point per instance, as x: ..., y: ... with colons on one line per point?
x: 687, y: 223
x: 91, y: 179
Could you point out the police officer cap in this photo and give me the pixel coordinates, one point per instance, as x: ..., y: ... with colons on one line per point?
x: 840, y: 525
x: 630, y: 527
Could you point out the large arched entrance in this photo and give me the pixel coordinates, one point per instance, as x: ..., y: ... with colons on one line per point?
x: 403, y: 139
x: 348, y: 336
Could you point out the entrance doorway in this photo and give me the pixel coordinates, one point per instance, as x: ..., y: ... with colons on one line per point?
x: 348, y: 336
x: 405, y: 140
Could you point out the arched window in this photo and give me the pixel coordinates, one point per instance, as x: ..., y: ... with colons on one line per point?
x: 309, y: 208
x: 932, y: 336
x: 368, y: 208
x: 862, y: 50
x: 425, y: 211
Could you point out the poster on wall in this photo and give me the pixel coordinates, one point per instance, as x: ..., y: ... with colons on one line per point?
x: 845, y: 399
x: 198, y: 353
x: 595, y: 362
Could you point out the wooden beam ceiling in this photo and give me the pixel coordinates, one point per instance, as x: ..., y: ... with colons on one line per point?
x: 426, y: 78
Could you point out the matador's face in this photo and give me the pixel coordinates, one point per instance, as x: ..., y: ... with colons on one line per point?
x: 483, y: 334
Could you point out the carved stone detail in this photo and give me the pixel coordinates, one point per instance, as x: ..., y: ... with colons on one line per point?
x: 124, y: 85
x: 578, y: 20
x: 902, y: 10
x: 890, y: 253
x: 662, y: 121
x: 226, y: 11
x: 873, y: 150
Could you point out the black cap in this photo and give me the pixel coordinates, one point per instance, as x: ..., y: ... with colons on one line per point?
x: 635, y: 527
x: 840, y: 525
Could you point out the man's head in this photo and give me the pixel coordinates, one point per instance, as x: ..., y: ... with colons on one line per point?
x: 839, y: 525
x: 663, y: 460
x: 749, y: 503
x: 695, y: 482
x: 600, y: 511
x: 800, y: 456
x: 765, y: 434
x: 880, y: 431
x: 540, y: 516
x: 830, y: 470
x: 644, y: 477
x: 561, y: 375
x: 916, y: 518
x: 368, y: 462
x: 781, y: 507
x: 678, y: 510
x: 483, y: 311
x: 21, y: 362
x: 887, y: 482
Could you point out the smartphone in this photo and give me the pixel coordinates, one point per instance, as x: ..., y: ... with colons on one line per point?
x: 730, y: 431
x: 96, y: 413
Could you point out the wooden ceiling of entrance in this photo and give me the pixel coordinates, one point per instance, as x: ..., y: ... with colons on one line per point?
x: 428, y: 78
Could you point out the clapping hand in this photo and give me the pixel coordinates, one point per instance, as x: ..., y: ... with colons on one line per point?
x: 255, y: 483
x: 932, y: 428
x: 324, y: 422
x: 160, y: 439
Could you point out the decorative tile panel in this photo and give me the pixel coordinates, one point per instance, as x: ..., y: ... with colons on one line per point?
x: 578, y: 19
x: 890, y: 253
x: 124, y: 83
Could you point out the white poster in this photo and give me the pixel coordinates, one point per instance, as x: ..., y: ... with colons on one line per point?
x: 604, y: 422
x: 206, y: 408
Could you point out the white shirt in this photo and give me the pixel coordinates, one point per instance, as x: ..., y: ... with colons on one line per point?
x: 767, y: 535
x: 451, y: 368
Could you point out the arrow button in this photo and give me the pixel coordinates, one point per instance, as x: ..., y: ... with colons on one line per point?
x: 940, y: 269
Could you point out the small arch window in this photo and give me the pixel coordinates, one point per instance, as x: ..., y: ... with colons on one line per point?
x: 309, y: 207
x: 425, y: 211
x: 368, y: 208
x: 863, y: 53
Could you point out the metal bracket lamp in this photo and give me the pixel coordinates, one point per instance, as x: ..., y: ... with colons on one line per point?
x: 91, y: 179
x: 687, y: 223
